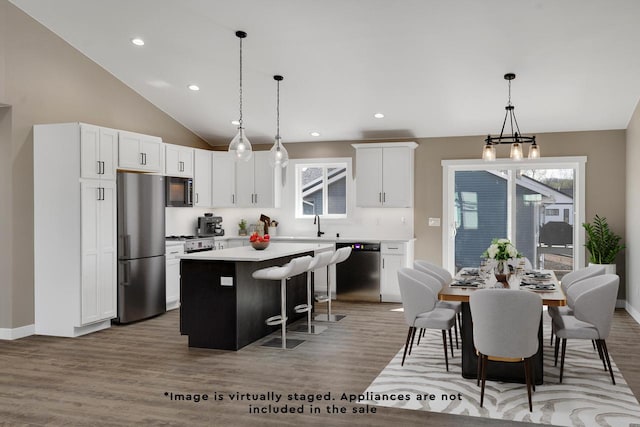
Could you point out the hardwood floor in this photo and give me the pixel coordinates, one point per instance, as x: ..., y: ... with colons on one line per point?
x: 120, y: 376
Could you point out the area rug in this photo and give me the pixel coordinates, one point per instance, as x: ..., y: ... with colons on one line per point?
x: 586, y: 396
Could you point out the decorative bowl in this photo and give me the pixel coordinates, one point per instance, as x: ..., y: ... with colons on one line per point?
x: 259, y: 245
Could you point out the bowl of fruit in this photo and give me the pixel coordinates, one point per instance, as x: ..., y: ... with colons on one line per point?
x: 259, y: 242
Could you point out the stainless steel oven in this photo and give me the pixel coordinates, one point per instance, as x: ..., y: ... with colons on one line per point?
x: 179, y: 191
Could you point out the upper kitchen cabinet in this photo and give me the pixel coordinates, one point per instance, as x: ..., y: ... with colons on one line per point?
x: 140, y: 152
x: 98, y: 152
x: 223, y: 183
x: 257, y: 184
x: 178, y: 160
x: 384, y: 174
x: 202, y: 178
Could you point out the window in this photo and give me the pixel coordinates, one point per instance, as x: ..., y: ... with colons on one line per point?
x: 552, y: 212
x: 321, y: 189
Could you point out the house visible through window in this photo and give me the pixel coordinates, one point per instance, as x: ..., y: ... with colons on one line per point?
x: 321, y: 189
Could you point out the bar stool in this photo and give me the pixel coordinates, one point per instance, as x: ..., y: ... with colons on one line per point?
x: 339, y: 256
x: 293, y: 268
x: 320, y: 260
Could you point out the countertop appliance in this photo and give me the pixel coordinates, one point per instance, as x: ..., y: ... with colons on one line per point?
x: 210, y: 225
x: 179, y: 192
x: 358, y: 278
x: 194, y: 243
x: 141, y: 246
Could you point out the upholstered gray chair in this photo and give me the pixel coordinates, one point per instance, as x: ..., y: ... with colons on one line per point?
x: 567, y: 282
x: 592, y: 316
x: 419, y: 299
x: 505, y: 328
x: 444, y: 277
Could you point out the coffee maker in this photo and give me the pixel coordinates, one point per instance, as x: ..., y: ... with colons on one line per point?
x: 210, y: 225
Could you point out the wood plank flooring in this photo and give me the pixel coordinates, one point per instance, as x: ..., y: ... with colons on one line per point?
x: 120, y: 376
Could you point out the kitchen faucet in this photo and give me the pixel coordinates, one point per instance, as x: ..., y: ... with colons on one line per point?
x: 317, y: 218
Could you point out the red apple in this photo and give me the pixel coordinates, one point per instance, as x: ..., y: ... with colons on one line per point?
x: 266, y: 237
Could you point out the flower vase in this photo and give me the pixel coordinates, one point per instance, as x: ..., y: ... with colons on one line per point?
x: 502, y: 272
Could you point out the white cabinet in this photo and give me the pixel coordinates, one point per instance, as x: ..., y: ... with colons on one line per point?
x: 75, y: 224
x: 202, y: 178
x: 394, y: 256
x: 384, y: 174
x: 256, y: 185
x: 98, y: 251
x: 178, y: 160
x: 172, y: 259
x: 223, y: 184
x: 98, y: 151
x: 140, y: 152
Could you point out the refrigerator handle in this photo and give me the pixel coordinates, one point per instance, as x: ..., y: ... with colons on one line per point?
x: 126, y: 273
x: 127, y: 245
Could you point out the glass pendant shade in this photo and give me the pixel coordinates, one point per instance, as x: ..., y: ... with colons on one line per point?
x: 240, y: 146
x: 278, y: 155
x: 489, y: 153
x: 534, y: 151
x: 516, y: 151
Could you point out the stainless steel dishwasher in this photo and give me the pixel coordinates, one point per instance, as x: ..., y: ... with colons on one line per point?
x: 358, y: 278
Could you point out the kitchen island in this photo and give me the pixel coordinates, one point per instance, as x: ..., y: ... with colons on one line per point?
x: 224, y: 307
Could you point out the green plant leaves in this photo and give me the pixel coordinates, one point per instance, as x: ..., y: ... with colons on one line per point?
x: 602, y: 243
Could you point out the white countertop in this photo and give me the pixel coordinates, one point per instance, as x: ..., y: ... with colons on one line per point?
x: 247, y: 253
x: 326, y: 239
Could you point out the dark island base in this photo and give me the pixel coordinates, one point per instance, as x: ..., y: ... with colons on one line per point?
x: 231, y: 317
x: 510, y: 372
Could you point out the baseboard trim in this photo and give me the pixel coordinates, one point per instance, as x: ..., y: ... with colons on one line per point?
x: 621, y: 303
x: 633, y: 312
x: 17, y: 333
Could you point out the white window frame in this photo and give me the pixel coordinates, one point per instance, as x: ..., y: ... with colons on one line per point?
x: 336, y: 162
x: 450, y: 167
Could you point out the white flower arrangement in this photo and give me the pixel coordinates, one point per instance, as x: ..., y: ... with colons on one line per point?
x: 501, y: 250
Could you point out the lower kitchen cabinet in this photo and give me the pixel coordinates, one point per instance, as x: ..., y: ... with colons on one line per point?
x: 172, y: 257
x: 394, y: 256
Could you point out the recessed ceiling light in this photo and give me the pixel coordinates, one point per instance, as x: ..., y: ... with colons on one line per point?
x: 137, y: 41
x: 315, y: 134
x: 378, y: 115
x: 194, y: 87
x: 235, y: 122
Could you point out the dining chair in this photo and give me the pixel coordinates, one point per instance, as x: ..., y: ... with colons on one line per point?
x: 420, y: 309
x: 444, y: 278
x: 592, y: 317
x: 567, y: 282
x: 505, y: 329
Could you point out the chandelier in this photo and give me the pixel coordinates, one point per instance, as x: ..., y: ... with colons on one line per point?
x: 516, y: 139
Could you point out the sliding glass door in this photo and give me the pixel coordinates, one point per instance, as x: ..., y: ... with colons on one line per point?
x: 535, y: 204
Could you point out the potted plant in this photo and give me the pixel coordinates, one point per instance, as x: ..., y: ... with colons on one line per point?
x: 602, y: 243
x: 242, y: 228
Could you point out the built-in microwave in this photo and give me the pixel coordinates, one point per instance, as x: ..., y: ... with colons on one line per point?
x: 179, y: 191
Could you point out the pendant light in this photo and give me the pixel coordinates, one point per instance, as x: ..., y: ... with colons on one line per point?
x: 278, y: 156
x: 240, y: 145
x: 515, y: 139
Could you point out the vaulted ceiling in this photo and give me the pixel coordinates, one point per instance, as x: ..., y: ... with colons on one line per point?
x: 432, y: 67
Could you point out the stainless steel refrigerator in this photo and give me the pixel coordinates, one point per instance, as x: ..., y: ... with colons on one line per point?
x: 141, y: 246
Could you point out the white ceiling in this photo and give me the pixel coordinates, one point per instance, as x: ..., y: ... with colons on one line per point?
x: 433, y: 67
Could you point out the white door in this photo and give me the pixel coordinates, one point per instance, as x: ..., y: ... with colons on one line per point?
x: 172, y: 160
x: 223, y: 185
x: 91, y: 194
x: 129, y: 156
x: 263, y: 180
x: 108, y: 153
x: 186, y: 159
x: 369, y: 177
x: 245, y: 174
x: 397, y: 176
x: 389, y: 288
x: 90, y: 166
x: 151, y: 148
x: 107, y: 255
x: 202, y: 178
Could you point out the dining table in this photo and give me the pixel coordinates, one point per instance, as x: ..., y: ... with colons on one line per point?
x: 466, y: 282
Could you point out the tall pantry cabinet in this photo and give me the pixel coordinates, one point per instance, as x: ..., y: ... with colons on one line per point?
x: 75, y: 226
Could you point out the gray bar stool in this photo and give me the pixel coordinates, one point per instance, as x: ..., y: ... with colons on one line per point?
x: 339, y: 256
x: 292, y: 268
x: 320, y: 260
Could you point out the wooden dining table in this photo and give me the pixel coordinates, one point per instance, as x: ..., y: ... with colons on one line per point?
x: 498, y: 371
